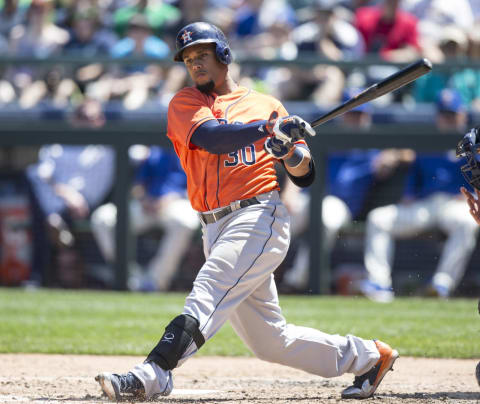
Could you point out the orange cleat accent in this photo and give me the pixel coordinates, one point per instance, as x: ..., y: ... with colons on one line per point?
x: 364, y: 386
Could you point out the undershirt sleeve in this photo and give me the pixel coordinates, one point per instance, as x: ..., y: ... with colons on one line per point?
x: 219, y: 138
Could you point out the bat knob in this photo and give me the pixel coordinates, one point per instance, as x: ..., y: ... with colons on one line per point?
x: 427, y: 63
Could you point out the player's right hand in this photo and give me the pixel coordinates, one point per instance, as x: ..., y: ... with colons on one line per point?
x: 277, y: 147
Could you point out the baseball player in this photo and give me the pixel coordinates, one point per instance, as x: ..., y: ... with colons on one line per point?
x: 431, y: 200
x: 468, y: 148
x: 227, y: 138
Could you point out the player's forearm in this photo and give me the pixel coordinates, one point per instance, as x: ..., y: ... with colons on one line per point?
x: 298, y: 163
x: 219, y: 138
x: 302, y: 174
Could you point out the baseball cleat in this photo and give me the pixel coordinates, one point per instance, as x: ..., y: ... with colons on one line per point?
x: 376, y: 292
x: 114, y: 386
x: 364, y: 386
x: 435, y: 290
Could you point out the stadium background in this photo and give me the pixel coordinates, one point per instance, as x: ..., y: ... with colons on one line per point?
x: 65, y: 90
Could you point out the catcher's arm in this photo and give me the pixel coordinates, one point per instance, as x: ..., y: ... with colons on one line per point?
x: 473, y: 203
x: 468, y: 148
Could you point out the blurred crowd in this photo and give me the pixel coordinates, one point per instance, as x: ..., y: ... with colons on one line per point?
x: 395, y: 193
x: 334, y: 30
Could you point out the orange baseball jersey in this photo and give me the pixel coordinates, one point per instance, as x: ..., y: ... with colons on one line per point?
x: 215, y: 180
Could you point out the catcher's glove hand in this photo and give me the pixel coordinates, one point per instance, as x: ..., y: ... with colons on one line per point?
x: 469, y: 148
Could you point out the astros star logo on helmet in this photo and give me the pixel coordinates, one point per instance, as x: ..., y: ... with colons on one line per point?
x: 187, y: 36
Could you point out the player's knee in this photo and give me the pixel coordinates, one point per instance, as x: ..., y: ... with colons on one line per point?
x: 105, y: 216
x: 381, y: 217
x: 178, y: 335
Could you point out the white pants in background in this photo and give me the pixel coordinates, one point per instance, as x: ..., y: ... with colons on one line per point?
x: 178, y: 221
x: 443, y: 211
x: 335, y: 215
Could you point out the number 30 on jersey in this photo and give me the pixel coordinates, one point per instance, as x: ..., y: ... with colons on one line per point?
x: 246, y: 155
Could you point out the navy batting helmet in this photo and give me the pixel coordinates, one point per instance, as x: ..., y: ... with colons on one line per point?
x: 469, y: 148
x: 202, y: 32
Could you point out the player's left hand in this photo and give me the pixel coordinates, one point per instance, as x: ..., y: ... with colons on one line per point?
x: 277, y: 147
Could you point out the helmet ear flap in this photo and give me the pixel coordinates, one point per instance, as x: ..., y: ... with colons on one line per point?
x: 224, y: 54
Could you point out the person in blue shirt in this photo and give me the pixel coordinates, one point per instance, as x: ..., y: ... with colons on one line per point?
x: 140, y: 41
x: 136, y: 83
x: 159, y: 201
x: 66, y: 184
x: 431, y: 201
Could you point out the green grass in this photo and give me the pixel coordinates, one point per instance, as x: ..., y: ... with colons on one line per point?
x: 114, y: 323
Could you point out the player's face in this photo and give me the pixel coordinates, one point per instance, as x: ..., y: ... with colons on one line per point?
x: 204, y: 68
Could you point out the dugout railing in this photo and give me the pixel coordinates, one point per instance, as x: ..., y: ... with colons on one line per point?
x: 329, y: 138
x: 122, y: 134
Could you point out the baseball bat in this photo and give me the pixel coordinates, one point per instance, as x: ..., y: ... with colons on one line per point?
x: 391, y: 83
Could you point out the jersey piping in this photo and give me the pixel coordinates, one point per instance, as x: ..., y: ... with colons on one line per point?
x: 236, y: 102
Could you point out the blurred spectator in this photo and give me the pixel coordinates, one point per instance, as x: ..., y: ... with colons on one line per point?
x: 134, y: 83
x: 67, y: 183
x: 388, y: 31
x: 220, y: 12
x: 328, y: 34
x: 354, y: 4
x: 255, y: 17
x: 433, y: 15
x: 39, y: 36
x: 159, y: 202
x: 11, y: 15
x: 431, y: 201
x: 140, y: 40
x: 88, y: 114
x: 454, y: 45
x: 262, y: 28
x: 451, y: 46
x: 451, y: 111
x: 159, y: 15
x: 474, y: 42
x: 475, y: 6
x: 87, y: 38
x: 356, y: 182
x: 4, y: 47
x: 262, y: 32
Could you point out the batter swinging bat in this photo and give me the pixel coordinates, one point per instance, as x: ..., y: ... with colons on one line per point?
x: 391, y: 83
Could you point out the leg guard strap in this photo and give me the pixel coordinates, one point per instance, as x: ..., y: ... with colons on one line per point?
x: 177, y: 337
